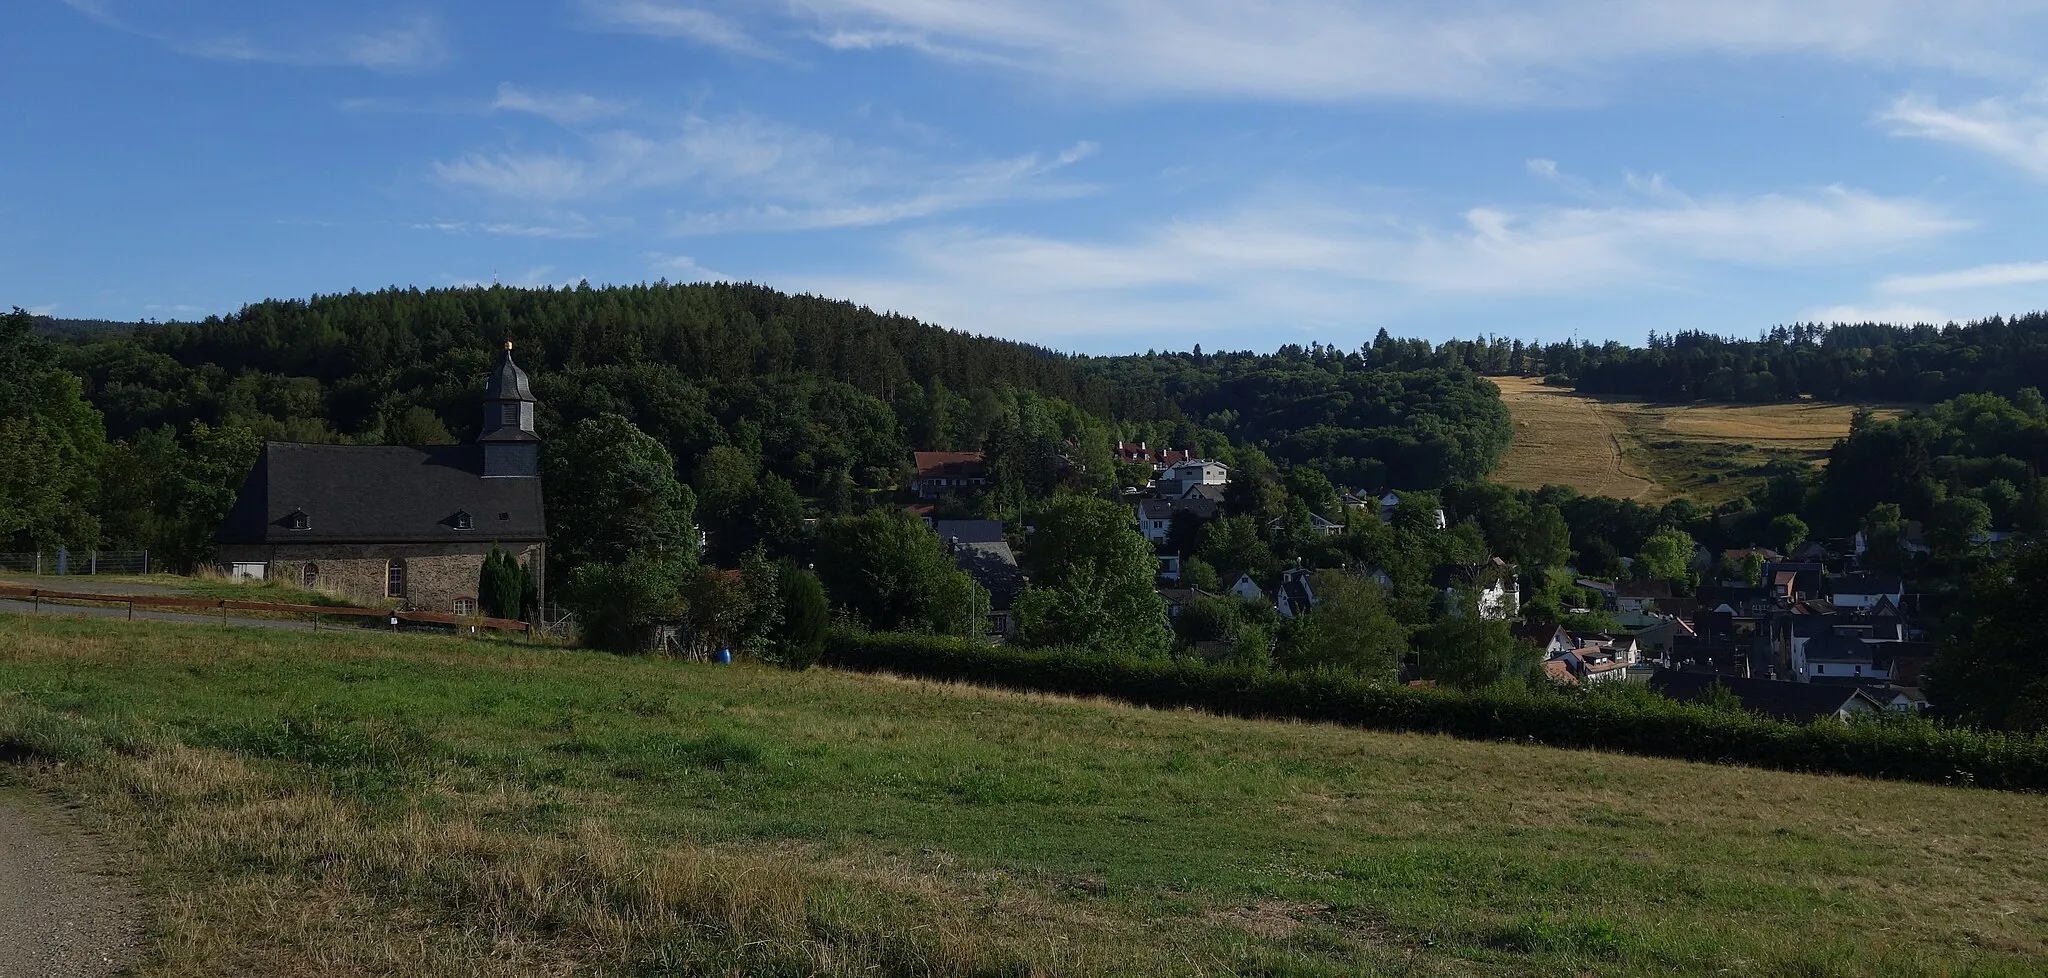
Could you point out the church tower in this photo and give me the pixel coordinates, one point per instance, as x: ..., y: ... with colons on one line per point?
x: 511, y: 448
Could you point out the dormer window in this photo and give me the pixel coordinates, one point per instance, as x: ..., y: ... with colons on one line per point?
x: 299, y: 520
x: 464, y: 521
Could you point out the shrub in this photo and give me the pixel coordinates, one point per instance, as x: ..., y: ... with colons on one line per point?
x: 1910, y: 750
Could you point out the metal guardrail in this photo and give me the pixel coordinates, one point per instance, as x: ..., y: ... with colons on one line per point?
x: 225, y: 605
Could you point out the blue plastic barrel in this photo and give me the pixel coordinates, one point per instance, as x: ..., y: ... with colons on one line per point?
x: 723, y: 658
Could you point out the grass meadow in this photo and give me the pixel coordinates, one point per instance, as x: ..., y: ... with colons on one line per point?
x: 343, y: 804
x: 1657, y: 452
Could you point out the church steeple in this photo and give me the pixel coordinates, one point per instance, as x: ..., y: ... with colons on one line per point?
x: 511, y: 447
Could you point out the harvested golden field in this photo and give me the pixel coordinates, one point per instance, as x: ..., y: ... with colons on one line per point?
x: 1656, y: 452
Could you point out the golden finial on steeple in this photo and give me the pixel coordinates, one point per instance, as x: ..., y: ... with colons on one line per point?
x: 508, y: 346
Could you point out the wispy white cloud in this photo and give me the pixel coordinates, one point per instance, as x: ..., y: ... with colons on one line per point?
x: 2012, y: 132
x: 682, y: 268
x: 403, y: 43
x: 566, y: 108
x: 1443, y: 50
x: 1897, y: 314
x: 1310, y: 259
x: 677, y: 20
x: 1966, y: 279
x: 574, y: 226
x: 743, y: 173
x: 46, y: 309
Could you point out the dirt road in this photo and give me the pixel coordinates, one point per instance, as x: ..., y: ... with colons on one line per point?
x: 62, y: 914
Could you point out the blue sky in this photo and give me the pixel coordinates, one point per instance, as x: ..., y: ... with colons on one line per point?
x: 1094, y: 175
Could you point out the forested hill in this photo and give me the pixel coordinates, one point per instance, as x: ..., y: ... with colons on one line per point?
x: 1400, y: 413
x: 55, y: 328
x: 704, y: 331
x: 1869, y: 361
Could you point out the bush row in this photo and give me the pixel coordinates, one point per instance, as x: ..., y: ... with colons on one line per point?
x: 1645, y: 724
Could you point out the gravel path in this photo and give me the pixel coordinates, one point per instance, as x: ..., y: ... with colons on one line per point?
x: 62, y: 914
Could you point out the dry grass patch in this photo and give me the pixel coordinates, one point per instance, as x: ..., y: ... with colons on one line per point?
x: 1650, y: 452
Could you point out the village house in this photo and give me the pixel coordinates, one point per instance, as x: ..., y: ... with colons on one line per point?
x: 1295, y: 596
x: 1390, y: 503
x: 1793, y: 581
x: 1155, y: 516
x: 943, y: 472
x: 979, y: 548
x: 407, y: 525
x: 1246, y: 589
x: 1169, y: 567
x: 1868, y: 590
x: 1637, y: 597
x: 1796, y: 702
x: 1492, y: 583
x: 1175, y: 480
x: 1159, y: 459
x: 1316, y: 523
x: 1552, y: 639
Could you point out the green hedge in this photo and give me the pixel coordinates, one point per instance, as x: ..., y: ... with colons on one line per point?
x: 1909, y: 750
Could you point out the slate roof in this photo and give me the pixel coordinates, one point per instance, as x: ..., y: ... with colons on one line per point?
x: 970, y: 531
x: 1166, y: 509
x: 993, y: 566
x: 1867, y: 584
x: 507, y: 382
x: 1798, y: 702
x: 1643, y: 589
x: 381, y: 494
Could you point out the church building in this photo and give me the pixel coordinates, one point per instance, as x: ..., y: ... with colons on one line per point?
x: 408, y: 525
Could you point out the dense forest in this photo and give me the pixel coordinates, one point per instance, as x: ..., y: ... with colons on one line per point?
x: 1866, y: 362
x: 1387, y: 415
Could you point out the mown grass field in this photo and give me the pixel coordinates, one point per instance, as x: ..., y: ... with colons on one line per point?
x: 1656, y: 452
x: 203, y: 585
x: 359, y: 804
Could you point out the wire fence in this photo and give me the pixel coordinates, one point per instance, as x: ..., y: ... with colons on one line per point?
x: 67, y: 562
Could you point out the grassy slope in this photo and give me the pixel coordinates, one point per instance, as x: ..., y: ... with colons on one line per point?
x: 1656, y: 452
x: 352, y: 804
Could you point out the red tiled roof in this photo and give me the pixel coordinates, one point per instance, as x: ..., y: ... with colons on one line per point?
x: 934, y: 465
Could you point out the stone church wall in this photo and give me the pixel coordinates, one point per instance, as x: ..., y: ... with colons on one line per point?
x: 436, y: 575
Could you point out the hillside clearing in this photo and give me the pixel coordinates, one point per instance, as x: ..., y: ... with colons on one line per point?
x: 1656, y: 452
x: 374, y: 804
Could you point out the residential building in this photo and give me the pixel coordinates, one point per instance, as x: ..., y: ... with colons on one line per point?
x: 1180, y: 599
x: 1552, y: 639
x: 944, y: 472
x: 1867, y: 590
x: 1174, y: 481
x: 1492, y: 583
x: 1244, y: 588
x: 1793, y: 581
x: 1797, y: 702
x: 1636, y: 597
x: 1316, y: 522
x: 979, y: 548
x: 1295, y: 596
x: 1155, y: 516
x: 1390, y: 502
x: 403, y: 524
